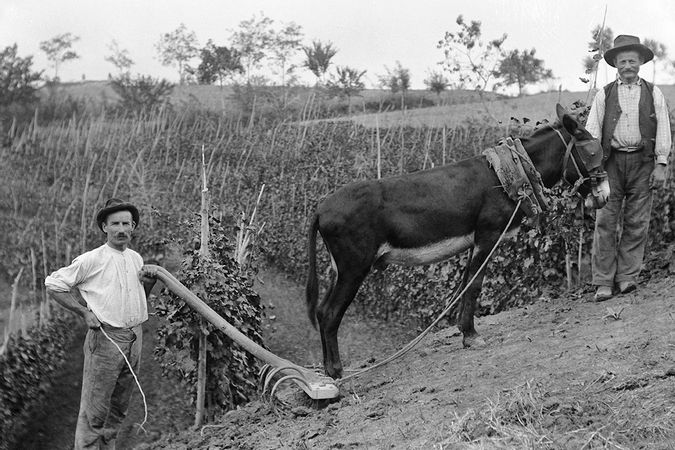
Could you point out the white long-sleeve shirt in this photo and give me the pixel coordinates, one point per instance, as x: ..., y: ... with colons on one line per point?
x: 627, y: 131
x: 108, y: 281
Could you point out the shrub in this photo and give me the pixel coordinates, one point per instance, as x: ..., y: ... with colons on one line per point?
x: 141, y: 93
x: 26, y: 368
x: 218, y: 281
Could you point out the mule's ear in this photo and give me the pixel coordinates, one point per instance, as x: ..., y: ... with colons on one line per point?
x: 566, y: 118
x: 570, y: 123
x: 560, y: 111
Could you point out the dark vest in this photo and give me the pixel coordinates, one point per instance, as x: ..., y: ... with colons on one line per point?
x: 646, y: 117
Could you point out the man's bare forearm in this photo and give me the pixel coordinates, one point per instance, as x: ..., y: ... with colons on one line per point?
x: 69, y: 300
x: 73, y: 301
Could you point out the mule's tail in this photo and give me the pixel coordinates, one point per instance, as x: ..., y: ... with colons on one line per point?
x: 312, y: 288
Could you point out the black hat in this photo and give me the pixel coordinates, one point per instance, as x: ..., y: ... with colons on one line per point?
x: 114, y: 205
x: 625, y: 43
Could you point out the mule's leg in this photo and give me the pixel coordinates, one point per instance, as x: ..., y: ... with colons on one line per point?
x: 330, y: 313
x: 325, y: 301
x: 469, y: 299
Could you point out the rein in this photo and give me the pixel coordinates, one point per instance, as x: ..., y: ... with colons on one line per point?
x: 568, y: 155
x: 145, y: 403
x: 593, y: 178
x: 409, y: 346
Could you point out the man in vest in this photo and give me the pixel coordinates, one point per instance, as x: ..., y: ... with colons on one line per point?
x: 630, y: 117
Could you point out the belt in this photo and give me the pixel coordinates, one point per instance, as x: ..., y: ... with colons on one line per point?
x: 119, y: 335
x: 109, y: 327
x: 628, y: 149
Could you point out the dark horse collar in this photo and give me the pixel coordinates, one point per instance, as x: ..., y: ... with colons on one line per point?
x: 589, y: 152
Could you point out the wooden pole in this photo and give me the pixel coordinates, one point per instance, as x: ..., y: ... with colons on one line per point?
x: 203, y: 253
x: 580, y: 250
x: 11, y: 326
x: 379, y: 151
x: 45, y: 297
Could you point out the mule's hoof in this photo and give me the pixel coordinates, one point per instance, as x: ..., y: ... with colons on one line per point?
x: 333, y: 372
x: 474, y: 341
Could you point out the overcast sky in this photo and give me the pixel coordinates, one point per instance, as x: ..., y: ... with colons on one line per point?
x: 369, y: 34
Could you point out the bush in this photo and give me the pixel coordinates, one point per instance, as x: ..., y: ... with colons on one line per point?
x: 26, y: 368
x: 141, y: 93
x: 220, y: 282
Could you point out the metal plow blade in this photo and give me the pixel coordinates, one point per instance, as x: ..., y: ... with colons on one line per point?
x: 317, y: 386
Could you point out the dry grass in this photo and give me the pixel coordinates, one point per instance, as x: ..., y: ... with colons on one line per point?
x: 528, y: 416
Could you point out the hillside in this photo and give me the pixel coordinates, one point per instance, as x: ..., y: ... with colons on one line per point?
x: 533, y: 107
x: 562, y: 373
x: 452, y: 107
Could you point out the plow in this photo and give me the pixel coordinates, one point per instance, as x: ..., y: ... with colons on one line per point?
x: 315, y: 385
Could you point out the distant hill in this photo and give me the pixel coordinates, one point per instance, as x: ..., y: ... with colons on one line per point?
x: 449, y: 109
x: 217, y: 98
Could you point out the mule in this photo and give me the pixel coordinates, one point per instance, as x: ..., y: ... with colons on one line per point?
x: 428, y: 216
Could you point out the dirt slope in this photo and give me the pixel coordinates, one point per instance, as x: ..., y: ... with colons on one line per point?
x: 563, y: 373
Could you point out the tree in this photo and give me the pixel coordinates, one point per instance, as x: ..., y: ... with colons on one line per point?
x: 119, y: 57
x: 218, y: 63
x: 178, y: 47
x: 397, y: 80
x: 17, y: 78
x: 141, y: 93
x: 253, y: 40
x: 436, y: 82
x: 469, y: 59
x: 521, y: 69
x: 660, y: 53
x: 347, y: 83
x: 59, y: 50
x: 318, y: 59
x: 284, y: 44
x: 601, y: 41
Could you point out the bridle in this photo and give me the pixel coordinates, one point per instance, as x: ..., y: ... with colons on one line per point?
x: 589, y: 152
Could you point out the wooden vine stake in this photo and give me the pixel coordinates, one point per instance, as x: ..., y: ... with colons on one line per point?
x: 203, y: 254
x: 11, y: 325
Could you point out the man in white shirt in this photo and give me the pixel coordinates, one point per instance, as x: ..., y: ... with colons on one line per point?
x: 630, y: 117
x: 108, y: 287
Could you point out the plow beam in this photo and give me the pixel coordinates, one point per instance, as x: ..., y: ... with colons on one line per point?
x: 315, y: 385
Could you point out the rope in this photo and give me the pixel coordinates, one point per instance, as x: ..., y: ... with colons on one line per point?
x: 409, y: 346
x: 145, y: 404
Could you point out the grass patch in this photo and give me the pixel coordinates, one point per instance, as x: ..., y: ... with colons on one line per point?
x: 528, y: 416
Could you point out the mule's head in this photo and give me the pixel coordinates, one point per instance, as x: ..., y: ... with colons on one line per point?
x: 583, y: 166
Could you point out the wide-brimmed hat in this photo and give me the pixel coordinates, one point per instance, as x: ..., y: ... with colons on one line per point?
x: 625, y: 43
x: 114, y: 205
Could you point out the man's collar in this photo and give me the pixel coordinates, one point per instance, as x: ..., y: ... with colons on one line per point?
x: 638, y: 82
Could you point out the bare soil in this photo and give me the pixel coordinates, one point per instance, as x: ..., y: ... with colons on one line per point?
x: 562, y: 373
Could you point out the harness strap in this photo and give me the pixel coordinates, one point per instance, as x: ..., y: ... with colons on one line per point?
x: 532, y: 174
x: 409, y: 346
x: 568, y: 155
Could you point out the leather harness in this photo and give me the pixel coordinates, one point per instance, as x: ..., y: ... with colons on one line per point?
x: 517, y: 175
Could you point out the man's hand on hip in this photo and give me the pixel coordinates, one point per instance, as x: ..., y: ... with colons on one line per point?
x: 658, y: 176
x: 91, y: 320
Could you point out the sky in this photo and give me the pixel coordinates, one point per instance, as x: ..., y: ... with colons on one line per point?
x: 371, y: 35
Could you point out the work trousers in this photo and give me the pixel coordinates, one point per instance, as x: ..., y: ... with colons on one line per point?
x: 621, y: 227
x: 107, y: 384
